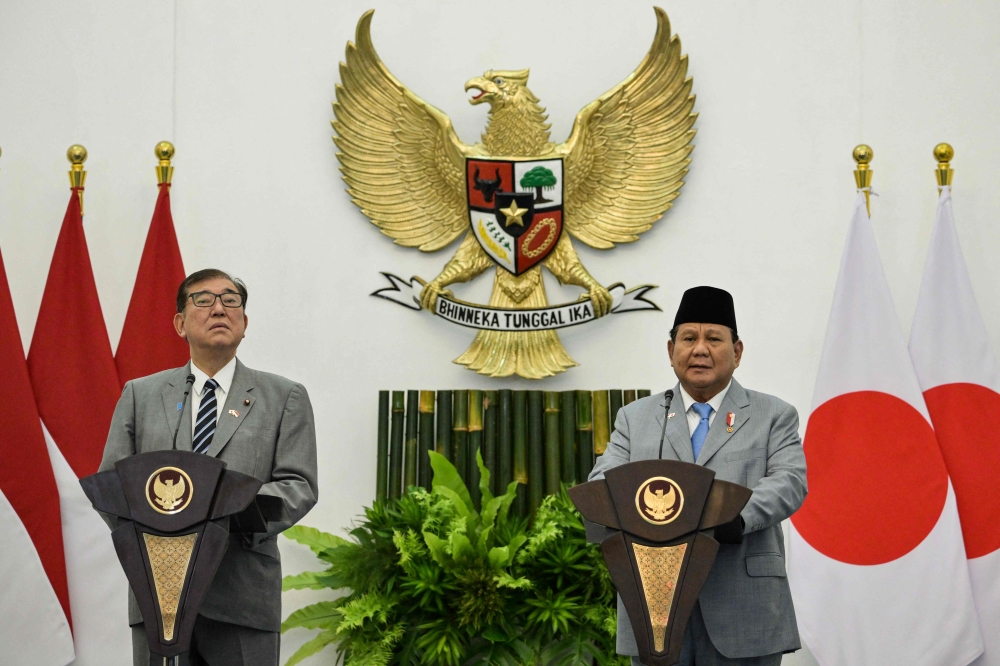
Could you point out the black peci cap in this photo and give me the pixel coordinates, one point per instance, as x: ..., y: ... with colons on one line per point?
x: 706, y: 305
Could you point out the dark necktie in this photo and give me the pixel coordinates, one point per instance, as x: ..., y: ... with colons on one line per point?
x: 204, y: 426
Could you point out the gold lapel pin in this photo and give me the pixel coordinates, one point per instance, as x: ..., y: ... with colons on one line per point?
x: 730, y: 420
x: 234, y: 412
x: 246, y: 401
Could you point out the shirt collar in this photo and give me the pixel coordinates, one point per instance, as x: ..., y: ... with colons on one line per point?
x: 715, y: 402
x: 224, y: 377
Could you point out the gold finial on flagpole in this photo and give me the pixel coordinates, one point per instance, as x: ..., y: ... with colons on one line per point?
x: 164, y: 152
x: 77, y: 155
x: 863, y: 155
x: 943, y: 153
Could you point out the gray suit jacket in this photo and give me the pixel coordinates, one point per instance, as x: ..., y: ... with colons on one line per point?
x: 746, y: 601
x: 273, y: 439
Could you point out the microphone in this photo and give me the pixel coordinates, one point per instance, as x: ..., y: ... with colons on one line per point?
x: 668, y: 396
x: 187, y: 391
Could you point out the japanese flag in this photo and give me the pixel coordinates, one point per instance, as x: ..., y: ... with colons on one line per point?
x: 876, y: 561
x: 960, y: 379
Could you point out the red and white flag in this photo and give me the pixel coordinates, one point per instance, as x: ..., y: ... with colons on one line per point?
x: 76, y: 388
x: 876, y: 561
x: 149, y: 343
x: 960, y: 379
x: 34, y: 599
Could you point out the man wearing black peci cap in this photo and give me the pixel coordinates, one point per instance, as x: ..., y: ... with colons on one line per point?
x: 744, y: 614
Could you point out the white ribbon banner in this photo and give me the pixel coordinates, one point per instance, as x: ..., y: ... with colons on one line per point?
x: 470, y: 315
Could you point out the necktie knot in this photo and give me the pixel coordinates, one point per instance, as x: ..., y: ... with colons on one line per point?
x: 211, y: 385
x: 702, y: 408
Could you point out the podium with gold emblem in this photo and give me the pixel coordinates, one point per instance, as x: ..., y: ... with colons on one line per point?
x: 173, y: 510
x: 665, y: 520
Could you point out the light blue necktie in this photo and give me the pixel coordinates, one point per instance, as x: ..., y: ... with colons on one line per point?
x: 701, y: 432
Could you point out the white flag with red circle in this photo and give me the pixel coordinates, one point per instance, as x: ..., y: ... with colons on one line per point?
x: 960, y: 378
x: 876, y: 561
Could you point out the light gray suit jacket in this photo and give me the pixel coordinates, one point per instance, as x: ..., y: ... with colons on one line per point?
x: 273, y: 439
x: 746, y: 601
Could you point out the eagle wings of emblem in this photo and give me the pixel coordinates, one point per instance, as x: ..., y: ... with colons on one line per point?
x: 621, y: 168
x: 168, y: 495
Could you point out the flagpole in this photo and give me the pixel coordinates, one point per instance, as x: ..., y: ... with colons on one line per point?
x: 77, y: 155
x: 164, y: 172
x: 863, y: 155
x: 943, y: 153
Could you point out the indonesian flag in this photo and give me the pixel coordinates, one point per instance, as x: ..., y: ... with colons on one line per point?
x: 876, y: 561
x: 34, y: 599
x: 76, y: 388
x: 149, y: 343
x: 961, y: 383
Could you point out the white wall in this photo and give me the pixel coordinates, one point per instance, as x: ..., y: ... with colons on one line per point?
x: 785, y: 91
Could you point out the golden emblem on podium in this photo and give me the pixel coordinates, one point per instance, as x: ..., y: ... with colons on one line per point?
x: 518, y: 198
x: 659, y: 500
x: 169, y: 490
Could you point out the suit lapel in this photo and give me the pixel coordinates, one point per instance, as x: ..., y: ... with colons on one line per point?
x: 173, y: 395
x: 736, y: 401
x: 677, y: 434
x: 234, y: 411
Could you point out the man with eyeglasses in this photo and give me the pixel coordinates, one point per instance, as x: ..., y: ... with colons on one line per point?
x: 259, y: 424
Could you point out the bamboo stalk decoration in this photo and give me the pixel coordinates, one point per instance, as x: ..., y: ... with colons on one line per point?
x: 396, y: 445
x: 584, y: 434
x: 629, y: 396
x: 602, y: 429
x: 615, y: 400
x: 475, y: 443
x: 382, y: 461
x: 520, y: 439
x: 536, y: 450
x: 552, y: 443
x: 443, y: 418
x: 426, y: 438
x: 505, y: 440
x: 642, y: 393
x: 460, y: 434
x: 490, y: 408
x: 410, y: 447
x: 567, y: 417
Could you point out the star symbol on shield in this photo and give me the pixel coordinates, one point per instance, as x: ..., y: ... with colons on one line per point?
x: 514, y: 214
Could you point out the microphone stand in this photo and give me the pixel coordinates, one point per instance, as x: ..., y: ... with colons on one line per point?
x: 668, y: 395
x: 189, y: 382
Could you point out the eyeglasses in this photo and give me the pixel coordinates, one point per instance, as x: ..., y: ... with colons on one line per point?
x: 206, y: 299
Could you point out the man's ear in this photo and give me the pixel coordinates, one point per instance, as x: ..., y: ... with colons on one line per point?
x: 670, y: 351
x: 739, y: 351
x: 179, y: 325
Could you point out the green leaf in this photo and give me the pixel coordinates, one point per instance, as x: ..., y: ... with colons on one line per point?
x: 446, y: 476
x: 516, y: 543
x: 316, y: 540
x: 506, y: 500
x: 506, y: 580
x: 484, y: 539
x: 500, y: 557
x: 437, y: 546
x: 460, y: 545
x: 312, y: 647
x: 456, y: 499
x: 309, y: 580
x: 484, y: 479
x: 324, y: 615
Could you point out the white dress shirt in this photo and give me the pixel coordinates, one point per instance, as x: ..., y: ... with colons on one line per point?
x: 224, y: 378
x: 693, y: 418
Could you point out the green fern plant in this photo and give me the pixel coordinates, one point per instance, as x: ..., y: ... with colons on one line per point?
x: 435, y: 581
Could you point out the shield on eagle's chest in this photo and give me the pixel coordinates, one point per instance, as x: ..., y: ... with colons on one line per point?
x: 516, y: 209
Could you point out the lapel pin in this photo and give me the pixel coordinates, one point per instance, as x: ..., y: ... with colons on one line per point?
x: 180, y: 406
x: 730, y: 420
x: 671, y: 415
x: 246, y: 401
x: 236, y: 413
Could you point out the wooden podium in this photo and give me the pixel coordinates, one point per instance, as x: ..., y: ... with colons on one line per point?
x: 174, y: 510
x: 665, y: 520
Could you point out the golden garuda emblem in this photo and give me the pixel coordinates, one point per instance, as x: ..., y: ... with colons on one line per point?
x: 169, y: 490
x: 518, y: 198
